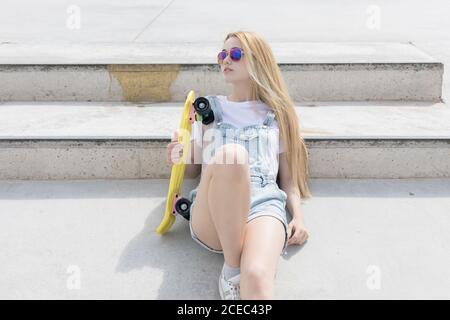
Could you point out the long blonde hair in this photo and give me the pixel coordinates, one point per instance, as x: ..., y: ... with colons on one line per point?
x: 267, y: 85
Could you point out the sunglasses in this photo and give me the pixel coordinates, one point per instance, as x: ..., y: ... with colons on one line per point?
x: 235, y: 54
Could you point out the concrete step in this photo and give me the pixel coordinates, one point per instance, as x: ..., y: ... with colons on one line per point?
x: 369, y: 239
x: 164, y: 72
x: 126, y: 141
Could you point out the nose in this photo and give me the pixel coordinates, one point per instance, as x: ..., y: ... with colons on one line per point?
x: 227, y: 60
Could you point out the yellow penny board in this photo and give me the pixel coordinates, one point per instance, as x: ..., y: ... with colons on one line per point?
x: 177, y: 173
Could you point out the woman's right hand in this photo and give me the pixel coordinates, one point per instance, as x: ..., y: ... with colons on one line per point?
x: 174, y: 150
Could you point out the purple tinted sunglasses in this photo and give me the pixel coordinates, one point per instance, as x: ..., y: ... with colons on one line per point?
x: 235, y: 54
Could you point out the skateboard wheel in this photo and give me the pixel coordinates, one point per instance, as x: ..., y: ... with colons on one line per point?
x: 203, y: 107
x: 182, y: 207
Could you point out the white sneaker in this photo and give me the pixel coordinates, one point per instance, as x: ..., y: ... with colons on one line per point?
x: 230, y: 289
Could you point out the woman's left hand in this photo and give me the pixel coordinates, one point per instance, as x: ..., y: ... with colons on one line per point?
x: 297, y: 231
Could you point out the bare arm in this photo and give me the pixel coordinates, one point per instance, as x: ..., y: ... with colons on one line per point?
x: 287, y: 185
x: 296, y: 228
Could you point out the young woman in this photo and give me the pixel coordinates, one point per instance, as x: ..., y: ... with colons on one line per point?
x: 238, y: 206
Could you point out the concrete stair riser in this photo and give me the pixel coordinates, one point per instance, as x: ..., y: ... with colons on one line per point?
x: 170, y: 82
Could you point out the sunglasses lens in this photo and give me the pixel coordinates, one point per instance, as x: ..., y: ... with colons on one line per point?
x: 221, y: 56
x: 235, y: 54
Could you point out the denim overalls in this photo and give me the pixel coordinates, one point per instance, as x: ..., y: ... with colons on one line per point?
x: 266, y: 197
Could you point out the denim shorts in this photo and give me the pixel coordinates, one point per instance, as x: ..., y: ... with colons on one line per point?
x: 267, y: 199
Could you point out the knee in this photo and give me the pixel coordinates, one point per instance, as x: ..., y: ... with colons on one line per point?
x: 260, y: 280
x: 256, y: 272
x: 232, y: 158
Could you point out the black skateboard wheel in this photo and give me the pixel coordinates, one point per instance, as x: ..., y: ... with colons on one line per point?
x: 203, y: 107
x: 182, y: 207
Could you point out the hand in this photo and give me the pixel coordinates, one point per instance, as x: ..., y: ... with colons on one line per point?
x: 297, y: 232
x: 174, y: 150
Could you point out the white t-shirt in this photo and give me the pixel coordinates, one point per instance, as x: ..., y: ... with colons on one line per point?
x: 242, y: 114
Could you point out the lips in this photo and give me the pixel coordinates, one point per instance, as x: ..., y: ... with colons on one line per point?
x: 227, y: 69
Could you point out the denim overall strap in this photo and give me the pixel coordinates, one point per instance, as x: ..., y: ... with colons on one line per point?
x: 215, y: 106
x: 216, y: 124
x: 269, y: 118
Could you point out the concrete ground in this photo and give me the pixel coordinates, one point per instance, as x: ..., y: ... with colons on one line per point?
x: 369, y: 239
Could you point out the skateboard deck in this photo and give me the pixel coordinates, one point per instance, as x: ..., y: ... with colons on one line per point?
x: 174, y: 203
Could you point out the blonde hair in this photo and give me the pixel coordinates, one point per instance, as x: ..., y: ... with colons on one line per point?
x: 267, y: 85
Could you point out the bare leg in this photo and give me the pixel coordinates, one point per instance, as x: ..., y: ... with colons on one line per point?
x: 264, y: 240
x: 229, y: 199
